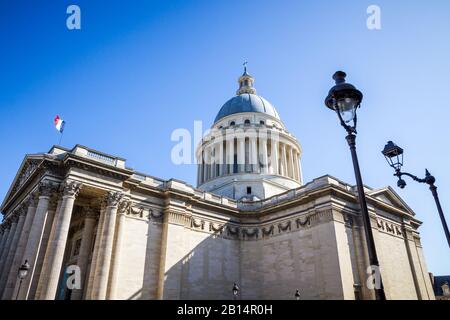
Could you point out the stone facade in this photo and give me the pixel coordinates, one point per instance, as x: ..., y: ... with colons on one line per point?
x: 135, y: 236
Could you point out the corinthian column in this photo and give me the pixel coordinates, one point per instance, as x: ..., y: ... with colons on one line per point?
x: 230, y: 153
x: 104, y: 258
x: 46, y: 189
x: 85, y: 250
x: 12, y: 251
x: 124, y: 206
x: 274, y: 157
x: 241, y: 152
x: 3, y: 237
x: 284, y: 171
x: 98, y: 240
x: 30, y: 206
x: 9, y: 242
x: 58, y: 241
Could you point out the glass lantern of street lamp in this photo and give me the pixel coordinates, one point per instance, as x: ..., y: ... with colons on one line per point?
x: 394, y: 155
x: 297, y: 295
x: 235, y: 290
x: 345, y: 99
x: 23, y: 270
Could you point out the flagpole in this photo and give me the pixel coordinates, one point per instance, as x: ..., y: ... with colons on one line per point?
x: 60, y: 138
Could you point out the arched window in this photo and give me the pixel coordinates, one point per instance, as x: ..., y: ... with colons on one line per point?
x: 247, y: 121
x: 232, y: 123
x: 261, y: 122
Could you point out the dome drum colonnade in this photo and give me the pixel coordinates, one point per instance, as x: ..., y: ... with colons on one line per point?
x: 248, y: 137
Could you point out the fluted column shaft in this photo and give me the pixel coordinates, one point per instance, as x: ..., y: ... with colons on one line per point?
x: 11, y: 253
x: 117, y: 252
x: 283, y: 160
x: 264, y: 155
x: 241, y: 153
x: 253, y: 154
x: 205, y: 164
x: 17, y: 260
x: 104, y: 259
x: 220, y: 158
x: 46, y: 189
x: 274, y: 156
x: 291, y: 163
x: 85, y: 251
x: 230, y: 154
x: 3, y: 238
x: 57, y: 244
x: 94, y: 262
x: 45, y: 252
x: 9, y: 242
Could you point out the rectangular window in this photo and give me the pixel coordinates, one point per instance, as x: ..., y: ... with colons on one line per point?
x: 249, y: 190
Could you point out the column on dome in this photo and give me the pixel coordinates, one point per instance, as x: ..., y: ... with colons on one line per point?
x: 263, y: 153
x: 291, y: 163
x: 57, y: 244
x: 46, y: 188
x: 253, y: 152
x: 297, y: 164
x: 241, y: 153
x: 283, y: 160
x: 230, y: 152
x: 212, y: 161
x: 219, y: 157
x: 274, y: 156
x: 205, y: 163
x: 300, y: 174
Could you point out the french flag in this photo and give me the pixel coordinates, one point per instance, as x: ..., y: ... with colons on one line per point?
x: 59, y: 124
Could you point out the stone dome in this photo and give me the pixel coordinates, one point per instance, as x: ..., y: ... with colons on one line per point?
x: 247, y: 102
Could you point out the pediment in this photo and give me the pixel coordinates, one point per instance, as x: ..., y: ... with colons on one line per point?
x: 389, y: 196
x: 26, y: 170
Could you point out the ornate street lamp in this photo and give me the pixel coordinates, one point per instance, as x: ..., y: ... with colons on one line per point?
x: 297, y: 295
x: 235, y: 291
x: 394, y: 157
x: 22, y: 274
x: 345, y: 99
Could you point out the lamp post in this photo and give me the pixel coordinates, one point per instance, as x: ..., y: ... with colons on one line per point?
x: 297, y: 295
x: 235, y: 291
x: 345, y: 99
x: 22, y: 274
x: 394, y: 156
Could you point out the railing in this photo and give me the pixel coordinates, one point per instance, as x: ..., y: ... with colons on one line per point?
x: 101, y: 157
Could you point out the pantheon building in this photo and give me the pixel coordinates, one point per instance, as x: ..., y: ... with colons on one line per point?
x: 89, y: 227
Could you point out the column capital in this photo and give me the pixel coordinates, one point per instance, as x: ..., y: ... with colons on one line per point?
x: 71, y: 188
x: 47, y: 188
x: 113, y: 198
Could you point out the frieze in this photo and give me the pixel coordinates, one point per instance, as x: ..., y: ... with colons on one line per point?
x: 267, y: 232
x: 216, y: 229
x: 389, y: 227
x: 233, y: 232
x: 282, y: 227
x: 197, y: 224
x: 247, y: 233
x: 306, y: 222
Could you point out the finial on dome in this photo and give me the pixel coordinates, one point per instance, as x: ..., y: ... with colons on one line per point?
x: 246, y: 82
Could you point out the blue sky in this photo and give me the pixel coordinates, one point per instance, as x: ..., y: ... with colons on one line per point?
x: 138, y: 70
